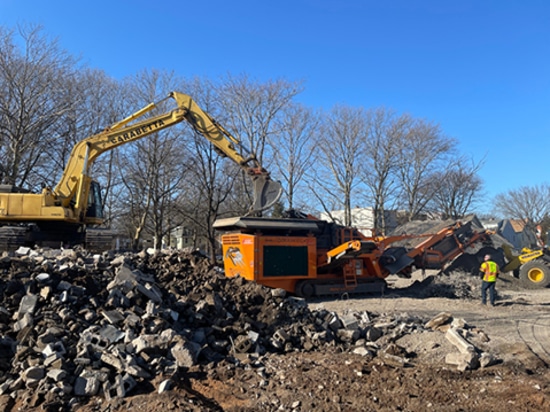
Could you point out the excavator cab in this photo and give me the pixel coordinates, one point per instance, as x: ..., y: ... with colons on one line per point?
x: 95, y: 204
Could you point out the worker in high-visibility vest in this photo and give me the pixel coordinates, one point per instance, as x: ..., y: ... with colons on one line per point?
x: 489, y: 271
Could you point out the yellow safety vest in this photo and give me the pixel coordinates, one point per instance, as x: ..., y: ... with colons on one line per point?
x: 491, y: 270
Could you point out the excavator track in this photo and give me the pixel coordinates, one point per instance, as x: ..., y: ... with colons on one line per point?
x: 13, y: 237
x: 99, y: 240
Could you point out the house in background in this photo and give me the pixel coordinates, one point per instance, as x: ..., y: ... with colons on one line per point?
x: 180, y: 238
x: 517, y: 233
x: 362, y: 219
x: 490, y: 223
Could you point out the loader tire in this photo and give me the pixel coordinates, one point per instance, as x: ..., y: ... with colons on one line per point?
x: 534, y: 274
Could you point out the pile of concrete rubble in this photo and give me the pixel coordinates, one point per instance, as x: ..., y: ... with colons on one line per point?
x: 76, y: 325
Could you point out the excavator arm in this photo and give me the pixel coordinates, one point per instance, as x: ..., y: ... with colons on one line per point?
x: 74, y: 183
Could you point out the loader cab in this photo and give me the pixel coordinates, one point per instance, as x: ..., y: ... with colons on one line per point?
x: 95, y: 203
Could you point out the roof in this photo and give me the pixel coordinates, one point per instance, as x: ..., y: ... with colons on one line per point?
x: 517, y: 225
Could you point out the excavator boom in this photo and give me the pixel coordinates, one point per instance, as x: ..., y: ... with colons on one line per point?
x: 85, y: 152
x: 62, y: 214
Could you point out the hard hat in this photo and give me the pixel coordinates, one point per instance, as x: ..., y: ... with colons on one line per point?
x: 487, y: 257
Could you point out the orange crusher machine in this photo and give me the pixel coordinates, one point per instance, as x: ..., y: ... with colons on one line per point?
x: 311, y: 257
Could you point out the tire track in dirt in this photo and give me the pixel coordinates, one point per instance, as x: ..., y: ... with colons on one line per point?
x: 535, y: 333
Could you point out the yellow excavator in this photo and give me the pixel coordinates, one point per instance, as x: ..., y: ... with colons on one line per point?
x: 67, y: 213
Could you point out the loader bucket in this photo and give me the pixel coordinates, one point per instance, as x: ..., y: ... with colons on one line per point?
x: 511, y: 265
x: 513, y: 261
x: 266, y: 193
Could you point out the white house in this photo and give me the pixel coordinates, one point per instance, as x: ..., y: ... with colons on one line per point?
x: 362, y: 219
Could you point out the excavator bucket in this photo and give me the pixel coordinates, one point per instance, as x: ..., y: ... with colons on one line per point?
x: 266, y: 193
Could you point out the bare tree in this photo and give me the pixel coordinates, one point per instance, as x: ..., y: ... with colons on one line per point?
x: 99, y: 102
x: 528, y: 203
x: 424, y: 150
x: 457, y: 188
x: 293, y: 148
x: 153, y: 169
x: 211, y: 180
x: 251, y: 109
x: 385, y: 131
x: 137, y: 202
x: 341, y: 147
x: 35, y: 98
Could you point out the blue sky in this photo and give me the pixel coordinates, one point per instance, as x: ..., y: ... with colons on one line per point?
x: 478, y: 68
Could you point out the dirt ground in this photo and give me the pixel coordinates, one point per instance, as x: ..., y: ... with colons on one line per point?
x: 518, y: 331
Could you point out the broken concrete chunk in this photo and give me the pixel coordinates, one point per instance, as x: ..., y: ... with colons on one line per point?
x: 124, y: 276
x: 87, y: 385
x: 463, y: 361
x: 111, y: 333
x: 119, y: 260
x: 349, y: 322
x: 55, y: 347
x: 43, y: 278
x: 439, y: 320
x: 454, y: 336
x: 112, y: 316
x: 333, y: 321
x: 279, y: 338
x: 348, y: 335
x: 482, y: 336
x: 154, y: 342
x: 165, y: 386
x: 393, y: 360
x: 363, y: 351
x: 242, y: 343
x: 45, y: 292
x: 23, y: 251
x: 185, y: 353
x: 33, y: 374
x: 253, y: 336
x: 24, y: 322
x: 57, y: 375
x: 114, y: 361
x: 372, y: 334
x: 459, y: 323
x: 150, y: 291
x: 137, y: 371
x: 63, y: 285
x: 94, y: 340
x: 5, y: 387
x: 279, y: 293
x: 27, y: 305
x: 486, y: 360
x: 55, y: 360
